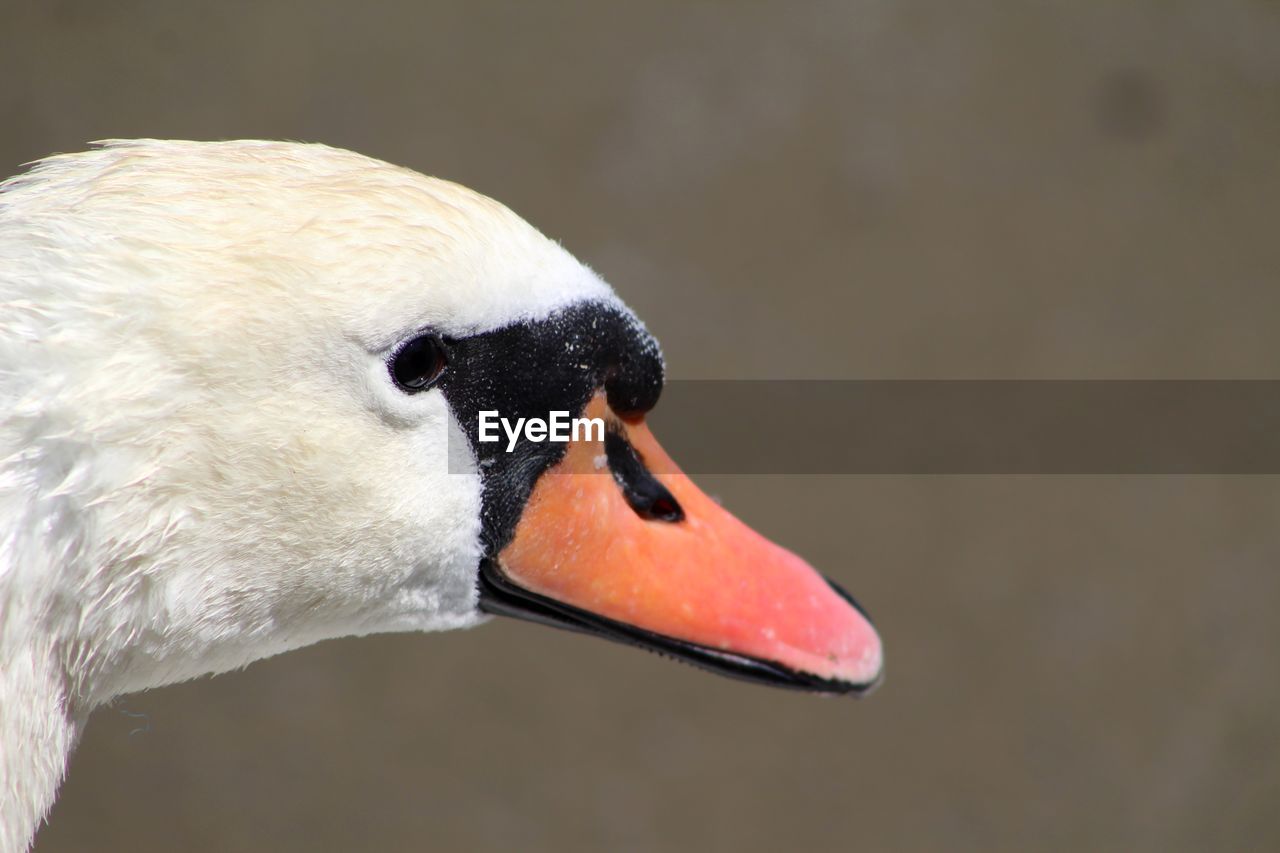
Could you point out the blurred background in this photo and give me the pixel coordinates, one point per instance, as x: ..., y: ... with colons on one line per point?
x: 869, y: 189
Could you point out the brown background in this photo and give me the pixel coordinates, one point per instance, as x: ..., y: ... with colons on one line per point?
x: 872, y: 189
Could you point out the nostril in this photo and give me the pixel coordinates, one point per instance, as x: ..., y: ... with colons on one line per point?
x: 643, y: 492
x: 665, y: 508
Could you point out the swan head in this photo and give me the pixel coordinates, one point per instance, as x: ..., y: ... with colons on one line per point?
x: 242, y: 385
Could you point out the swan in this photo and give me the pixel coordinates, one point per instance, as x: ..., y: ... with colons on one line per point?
x: 239, y: 390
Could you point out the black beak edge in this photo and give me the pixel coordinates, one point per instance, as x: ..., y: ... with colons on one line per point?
x: 500, y: 596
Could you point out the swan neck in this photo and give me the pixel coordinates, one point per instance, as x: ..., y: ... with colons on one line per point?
x: 38, y: 731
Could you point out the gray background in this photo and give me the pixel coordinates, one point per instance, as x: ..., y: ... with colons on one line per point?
x: 915, y: 189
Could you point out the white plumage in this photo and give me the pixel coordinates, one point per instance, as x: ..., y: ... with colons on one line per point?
x: 208, y: 453
x: 192, y: 343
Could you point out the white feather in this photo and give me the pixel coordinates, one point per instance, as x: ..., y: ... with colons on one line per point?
x: 202, y: 461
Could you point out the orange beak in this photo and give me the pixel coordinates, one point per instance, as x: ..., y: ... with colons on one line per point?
x: 616, y: 541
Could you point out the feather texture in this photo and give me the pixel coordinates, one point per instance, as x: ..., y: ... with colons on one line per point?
x: 202, y: 462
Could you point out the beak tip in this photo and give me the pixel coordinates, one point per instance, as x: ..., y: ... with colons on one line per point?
x: 869, y: 671
x: 864, y: 668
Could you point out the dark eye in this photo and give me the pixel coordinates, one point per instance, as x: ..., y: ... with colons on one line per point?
x: 418, y: 364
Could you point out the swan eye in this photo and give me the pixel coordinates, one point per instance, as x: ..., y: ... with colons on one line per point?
x: 418, y: 363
